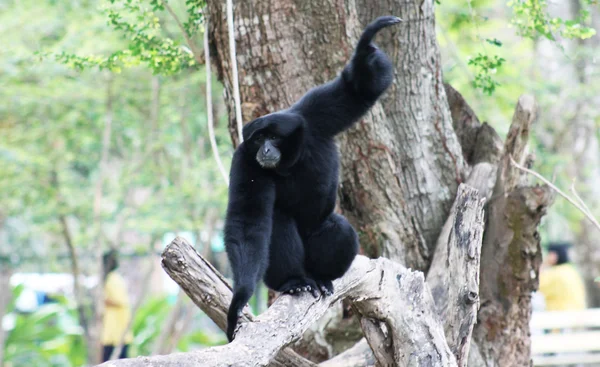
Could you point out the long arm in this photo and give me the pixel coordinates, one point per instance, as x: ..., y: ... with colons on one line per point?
x: 247, y: 229
x: 333, y: 107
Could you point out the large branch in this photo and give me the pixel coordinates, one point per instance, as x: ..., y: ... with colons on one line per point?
x: 458, y: 253
x: 395, y: 300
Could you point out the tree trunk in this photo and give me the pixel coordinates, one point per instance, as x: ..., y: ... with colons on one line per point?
x: 402, y: 163
x: 510, y: 254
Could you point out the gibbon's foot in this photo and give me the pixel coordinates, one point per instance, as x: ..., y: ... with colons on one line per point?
x: 326, y: 287
x: 297, y: 286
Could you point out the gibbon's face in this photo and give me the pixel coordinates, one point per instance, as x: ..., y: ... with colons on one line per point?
x: 268, y: 154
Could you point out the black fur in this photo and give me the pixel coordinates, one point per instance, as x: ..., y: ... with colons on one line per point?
x: 280, y: 222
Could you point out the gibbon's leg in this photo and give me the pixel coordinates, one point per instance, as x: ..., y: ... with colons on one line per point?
x: 330, y: 250
x: 285, y: 272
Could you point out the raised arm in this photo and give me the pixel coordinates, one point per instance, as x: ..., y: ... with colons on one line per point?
x: 247, y: 228
x: 333, y: 107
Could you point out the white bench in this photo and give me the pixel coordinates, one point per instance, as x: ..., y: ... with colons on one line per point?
x: 578, y: 343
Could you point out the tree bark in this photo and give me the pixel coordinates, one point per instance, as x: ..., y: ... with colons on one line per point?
x: 402, y: 163
x: 511, y: 254
x: 457, y: 296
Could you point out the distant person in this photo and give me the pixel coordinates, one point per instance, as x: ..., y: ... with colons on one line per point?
x: 560, y: 283
x: 117, y: 311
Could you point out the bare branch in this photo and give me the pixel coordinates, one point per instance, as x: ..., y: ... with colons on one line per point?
x: 579, y: 205
x: 515, y: 146
x: 73, y: 258
x: 458, y: 253
x: 83, y: 320
x: 360, y: 355
x: 389, y: 295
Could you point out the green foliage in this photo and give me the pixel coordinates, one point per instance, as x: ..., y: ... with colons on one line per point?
x: 532, y: 20
x: 148, y: 323
x: 201, y: 338
x: 477, y: 24
x: 148, y: 41
x: 486, y: 68
x: 47, y: 337
x: 194, y: 10
x: 494, y: 42
x: 51, y: 130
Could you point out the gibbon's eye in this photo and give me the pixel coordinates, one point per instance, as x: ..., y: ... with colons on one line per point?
x: 259, y: 139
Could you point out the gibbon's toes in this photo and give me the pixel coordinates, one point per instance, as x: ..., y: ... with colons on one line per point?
x: 326, y: 287
x: 299, y: 286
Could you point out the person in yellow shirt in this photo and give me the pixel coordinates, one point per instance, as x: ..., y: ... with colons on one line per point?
x: 560, y: 283
x: 117, y: 311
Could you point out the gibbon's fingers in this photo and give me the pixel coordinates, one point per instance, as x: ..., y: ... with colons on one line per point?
x: 374, y: 27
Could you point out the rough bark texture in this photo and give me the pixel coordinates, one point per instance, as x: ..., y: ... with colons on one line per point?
x: 457, y: 296
x: 359, y: 355
x: 511, y: 254
x: 396, y: 307
x: 479, y: 142
x: 402, y: 163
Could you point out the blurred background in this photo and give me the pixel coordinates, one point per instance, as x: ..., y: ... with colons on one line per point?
x: 104, y: 145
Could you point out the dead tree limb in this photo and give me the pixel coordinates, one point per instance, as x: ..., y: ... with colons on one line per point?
x: 390, y: 296
x: 510, y: 253
x: 358, y: 355
x: 458, y: 253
